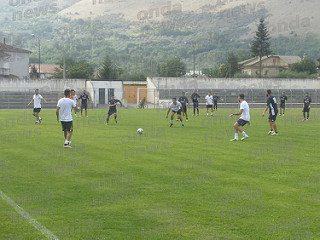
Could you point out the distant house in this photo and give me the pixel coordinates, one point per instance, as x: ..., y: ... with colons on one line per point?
x: 14, y: 62
x: 47, y: 70
x: 271, y: 65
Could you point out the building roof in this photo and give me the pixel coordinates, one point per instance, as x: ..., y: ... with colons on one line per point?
x: 3, y: 54
x: 287, y: 59
x: 46, y: 68
x: 8, y: 48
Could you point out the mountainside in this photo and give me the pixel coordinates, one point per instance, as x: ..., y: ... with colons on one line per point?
x: 140, y: 34
x: 284, y: 16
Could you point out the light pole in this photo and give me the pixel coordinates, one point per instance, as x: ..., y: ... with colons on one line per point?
x: 33, y: 35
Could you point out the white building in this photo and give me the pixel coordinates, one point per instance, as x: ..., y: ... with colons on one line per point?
x: 14, y: 62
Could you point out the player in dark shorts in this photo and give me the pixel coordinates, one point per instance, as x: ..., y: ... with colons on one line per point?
x: 176, y: 108
x: 215, y: 102
x: 84, y: 103
x: 283, y: 99
x: 113, y: 108
x: 195, y: 100
x: 273, y: 112
x: 306, y: 107
x: 184, y: 101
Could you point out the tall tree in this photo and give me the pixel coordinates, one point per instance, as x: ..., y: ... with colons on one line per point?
x: 260, y: 46
x: 108, y: 70
x: 232, y: 62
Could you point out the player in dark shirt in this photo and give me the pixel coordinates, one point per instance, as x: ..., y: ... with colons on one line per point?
x: 273, y: 112
x: 84, y: 103
x: 195, y: 100
x: 113, y: 108
x: 283, y: 99
x: 184, y: 101
x: 306, y: 107
x: 215, y: 102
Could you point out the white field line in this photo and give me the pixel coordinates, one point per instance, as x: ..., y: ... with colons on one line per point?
x: 27, y: 216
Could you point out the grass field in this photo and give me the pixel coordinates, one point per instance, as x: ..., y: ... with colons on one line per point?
x: 169, y: 183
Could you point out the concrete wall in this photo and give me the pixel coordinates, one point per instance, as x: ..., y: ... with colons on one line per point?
x: 58, y: 85
x: 117, y: 85
x: 232, y: 83
x: 22, y: 85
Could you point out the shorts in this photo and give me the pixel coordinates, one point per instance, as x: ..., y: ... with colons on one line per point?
x: 67, y: 126
x: 112, y: 111
x: 37, y: 110
x: 195, y: 104
x: 283, y: 105
x: 306, y: 109
x: 209, y: 106
x: 185, y: 109
x: 242, y: 122
x: 84, y: 106
x: 273, y: 118
x: 177, y: 112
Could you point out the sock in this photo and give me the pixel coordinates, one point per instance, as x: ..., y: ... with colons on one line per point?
x: 207, y: 114
x: 244, y: 134
x: 236, y: 135
x: 198, y: 111
x: 181, y: 122
x: 211, y: 113
x: 66, y: 142
x: 171, y: 121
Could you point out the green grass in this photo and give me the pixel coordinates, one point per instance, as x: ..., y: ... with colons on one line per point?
x: 169, y: 183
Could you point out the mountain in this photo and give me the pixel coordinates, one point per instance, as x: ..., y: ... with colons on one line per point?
x: 284, y: 16
x: 140, y: 34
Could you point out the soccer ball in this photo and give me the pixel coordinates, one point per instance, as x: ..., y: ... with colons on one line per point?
x: 140, y: 130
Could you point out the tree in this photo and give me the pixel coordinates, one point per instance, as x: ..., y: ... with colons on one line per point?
x: 307, y: 64
x: 232, y: 62
x: 260, y: 46
x: 173, y: 68
x: 223, y: 70
x: 33, y: 72
x: 75, y: 69
x: 108, y: 70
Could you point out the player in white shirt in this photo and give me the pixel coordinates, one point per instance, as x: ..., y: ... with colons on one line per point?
x: 243, y: 120
x: 74, y: 97
x: 64, y: 107
x: 36, y: 99
x: 209, y: 103
x: 176, y: 108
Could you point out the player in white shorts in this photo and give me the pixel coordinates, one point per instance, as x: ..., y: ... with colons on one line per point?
x: 209, y: 103
x: 74, y: 97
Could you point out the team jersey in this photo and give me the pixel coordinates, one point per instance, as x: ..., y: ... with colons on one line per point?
x: 272, y: 104
x: 215, y: 99
x: 84, y: 98
x: 209, y: 100
x: 195, y: 97
x: 37, y: 100
x: 66, y: 105
x: 175, y: 107
x: 111, y: 102
x: 183, y: 101
x: 307, y: 101
x: 246, y: 111
x: 283, y: 100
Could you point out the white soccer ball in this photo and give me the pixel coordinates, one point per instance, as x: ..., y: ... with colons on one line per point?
x: 140, y: 130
